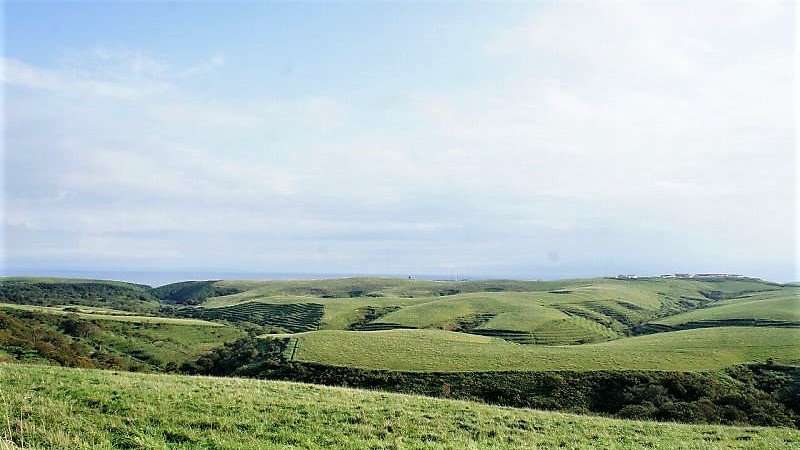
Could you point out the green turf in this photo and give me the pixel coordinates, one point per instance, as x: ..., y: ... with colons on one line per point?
x: 432, y: 350
x: 81, y: 409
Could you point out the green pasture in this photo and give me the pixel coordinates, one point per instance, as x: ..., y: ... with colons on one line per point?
x: 434, y: 350
x: 47, y: 407
x: 781, y: 305
x: 550, y: 312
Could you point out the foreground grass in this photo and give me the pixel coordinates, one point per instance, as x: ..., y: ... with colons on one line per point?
x: 48, y: 407
x: 433, y: 350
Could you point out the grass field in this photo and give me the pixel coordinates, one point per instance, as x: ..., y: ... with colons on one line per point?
x: 432, y: 350
x: 782, y: 306
x: 45, y: 407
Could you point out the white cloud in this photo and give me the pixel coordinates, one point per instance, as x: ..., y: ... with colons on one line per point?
x: 323, y: 113
x: 17, y: 73
x: 212, y: 64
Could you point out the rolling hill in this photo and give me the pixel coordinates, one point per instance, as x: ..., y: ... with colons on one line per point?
x: 499, y: 341
x: 435, y: 350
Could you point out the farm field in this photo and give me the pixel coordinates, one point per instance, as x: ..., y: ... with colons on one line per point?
x: 47, y: 407
x: 432, y: 350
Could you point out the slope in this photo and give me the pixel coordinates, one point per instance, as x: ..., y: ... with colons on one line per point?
x: 432, y: 350
x: 81, y: 409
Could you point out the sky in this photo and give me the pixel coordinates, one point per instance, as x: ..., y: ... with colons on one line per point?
x: 526, y: 140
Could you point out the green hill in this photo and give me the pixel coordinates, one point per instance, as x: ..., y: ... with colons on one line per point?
x: 530, y: 312
x: 68, y: 291
x: 772, y: 308
x: 81, y: 409
x: 89, y: 337
x: 592, y: 345
x: 433, y: 350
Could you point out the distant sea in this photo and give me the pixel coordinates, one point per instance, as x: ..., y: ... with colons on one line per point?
x: 159, y: 278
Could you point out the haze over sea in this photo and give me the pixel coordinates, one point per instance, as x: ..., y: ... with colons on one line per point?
x: 156, y: 278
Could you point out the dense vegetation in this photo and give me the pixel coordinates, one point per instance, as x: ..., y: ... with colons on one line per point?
x: 91, y: 409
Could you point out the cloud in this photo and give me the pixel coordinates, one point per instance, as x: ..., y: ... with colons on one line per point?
x: 105, y: 73
x: 323, y: 113
x: 212, y: 64
x: 17, y: 73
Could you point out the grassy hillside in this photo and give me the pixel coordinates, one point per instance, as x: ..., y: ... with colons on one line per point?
x: 530, y: 312
x: 75, y: 408
x: 431, y: 350
x: 68, y: 291
x: 191, y: 292
x: 54, y: 336
x: 775, y: 307
x: 493, y: 317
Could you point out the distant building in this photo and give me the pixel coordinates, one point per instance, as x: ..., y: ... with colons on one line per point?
x: 704, y: 275
x: 627, y: 277
x: 718, y: 275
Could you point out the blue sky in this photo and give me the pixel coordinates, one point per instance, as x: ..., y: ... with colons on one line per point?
x: 519, y: 139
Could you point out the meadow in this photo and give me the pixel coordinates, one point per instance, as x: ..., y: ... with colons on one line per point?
x: 436, y: 350
x: 50, y: 407
x: 776, y: 307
